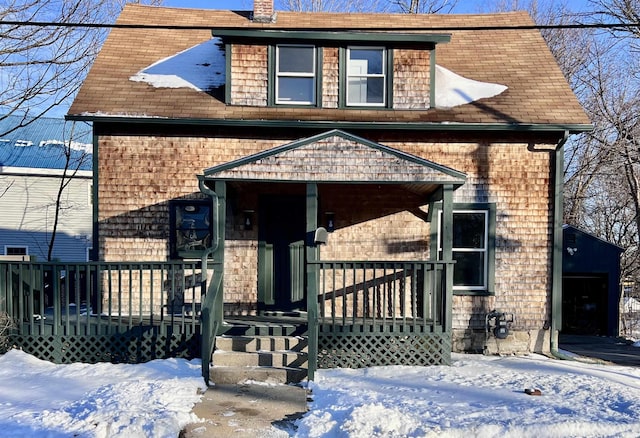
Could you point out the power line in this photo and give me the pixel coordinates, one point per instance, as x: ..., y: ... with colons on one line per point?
x: 334, y: 29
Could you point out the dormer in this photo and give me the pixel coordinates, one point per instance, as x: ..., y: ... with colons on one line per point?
x: 318, y: 67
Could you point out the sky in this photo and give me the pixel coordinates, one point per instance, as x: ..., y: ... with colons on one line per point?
x: 247, y: 4
x: 477, y: 396
x: 463, y: 6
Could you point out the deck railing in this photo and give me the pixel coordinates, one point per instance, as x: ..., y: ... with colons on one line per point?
x: 380, y: 292
x: 365, y: 309
x: 79, y: 300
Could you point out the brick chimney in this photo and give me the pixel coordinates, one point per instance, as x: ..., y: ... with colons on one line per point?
x: 263, y: 11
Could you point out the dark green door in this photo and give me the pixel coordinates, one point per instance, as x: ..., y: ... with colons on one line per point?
x: 281, y: 253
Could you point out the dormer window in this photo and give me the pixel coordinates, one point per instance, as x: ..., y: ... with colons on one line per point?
x: 296, y: 69
x: 366, y: 76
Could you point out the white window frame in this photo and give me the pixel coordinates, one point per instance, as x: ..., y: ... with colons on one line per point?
x: 365, y: 75
x: 484, y: 250
x: 313, y: 75
x: 26, y: 249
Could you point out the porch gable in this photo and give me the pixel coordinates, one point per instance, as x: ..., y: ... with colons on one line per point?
x: 336, y: 156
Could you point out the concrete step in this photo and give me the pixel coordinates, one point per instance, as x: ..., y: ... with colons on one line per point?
x: 231, y: 375
x: 260, y: 358
x: 261, y: 343
x: 273, y: 359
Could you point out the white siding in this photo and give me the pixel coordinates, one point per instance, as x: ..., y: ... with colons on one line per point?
x: 27, y: 215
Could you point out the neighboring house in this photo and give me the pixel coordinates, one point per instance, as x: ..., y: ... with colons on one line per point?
x: 32, y: 163
x: 590, y: 284
x: 423, y: 139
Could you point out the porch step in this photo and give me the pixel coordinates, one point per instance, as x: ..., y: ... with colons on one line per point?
x: 273, y: 359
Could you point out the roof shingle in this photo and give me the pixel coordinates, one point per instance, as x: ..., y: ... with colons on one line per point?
x: 537, y: 91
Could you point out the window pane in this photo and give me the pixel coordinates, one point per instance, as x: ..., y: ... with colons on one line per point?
x: 469, y: 269
x: 468, y: 230
x: 366, y: 90
x: 365, y: 61
x: 295, y: 89
x: 295, y: 59
x: 16, y: 250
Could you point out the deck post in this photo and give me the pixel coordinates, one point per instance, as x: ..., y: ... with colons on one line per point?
x: 447, y: 254
x: 312, y: 278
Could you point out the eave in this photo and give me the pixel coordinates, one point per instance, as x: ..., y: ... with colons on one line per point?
x: 345, y: 125
x: 347, y: 36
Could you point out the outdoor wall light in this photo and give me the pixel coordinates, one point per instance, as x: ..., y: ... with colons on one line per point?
x: 330, y: 221
x: 247, y: 221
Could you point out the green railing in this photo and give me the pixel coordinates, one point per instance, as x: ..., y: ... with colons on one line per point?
x: 364, y: 308
x: 104, y: 311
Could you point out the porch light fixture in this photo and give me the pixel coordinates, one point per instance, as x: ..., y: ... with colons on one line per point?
x: 330, y: 221
x: 247, y: 221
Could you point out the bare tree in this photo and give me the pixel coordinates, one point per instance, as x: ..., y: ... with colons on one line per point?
x: 72, y: 164
x: 332, y: 5
x: 404, y: 6
x: 41, y: 67
x: 425, y: 6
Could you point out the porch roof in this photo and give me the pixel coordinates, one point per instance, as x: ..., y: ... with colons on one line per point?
x: 338, y: 157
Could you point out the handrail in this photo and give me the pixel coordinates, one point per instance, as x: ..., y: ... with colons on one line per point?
x: 212, y: 303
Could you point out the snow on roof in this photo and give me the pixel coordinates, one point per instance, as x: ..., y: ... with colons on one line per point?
x: 202, y: 68
x: 42, y: 142
x: 454, y: 90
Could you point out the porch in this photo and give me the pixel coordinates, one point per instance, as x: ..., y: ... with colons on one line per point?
x: 366, y: 313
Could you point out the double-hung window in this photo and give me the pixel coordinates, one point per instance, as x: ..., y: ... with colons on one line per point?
x: 473, y: 247
x: 366, y: 76
x: 296, y: 75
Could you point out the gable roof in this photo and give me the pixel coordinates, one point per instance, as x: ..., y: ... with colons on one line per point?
x: 41, y: 144
x: 537, y: 93
x: 336, y: 156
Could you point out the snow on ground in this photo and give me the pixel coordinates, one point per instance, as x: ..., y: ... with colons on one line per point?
x: 478, y: 396
x: 39, y: 398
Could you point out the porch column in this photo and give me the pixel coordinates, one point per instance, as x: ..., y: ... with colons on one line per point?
x: 213, y: 301
x: 447, y: 253
x: 218, y: 251
x: 312, y: 278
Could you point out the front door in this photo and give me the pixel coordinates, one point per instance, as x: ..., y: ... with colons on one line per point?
x: 281, y: 255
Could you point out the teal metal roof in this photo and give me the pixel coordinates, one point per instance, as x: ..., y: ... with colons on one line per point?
x: 41, y: 143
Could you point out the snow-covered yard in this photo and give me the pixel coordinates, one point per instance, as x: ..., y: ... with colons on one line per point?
x: 479, y: 396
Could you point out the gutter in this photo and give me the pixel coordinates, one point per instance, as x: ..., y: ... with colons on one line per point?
x: 573, y: 128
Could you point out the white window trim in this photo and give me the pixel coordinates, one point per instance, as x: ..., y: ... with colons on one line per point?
x: 313, y: 75
x: 26, y: 249
x: 382, y: 75
x: 485, y: 249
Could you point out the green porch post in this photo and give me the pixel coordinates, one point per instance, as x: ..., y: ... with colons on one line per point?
x: 312, y: 278
x: 213, y: 302
x: 447, y: 254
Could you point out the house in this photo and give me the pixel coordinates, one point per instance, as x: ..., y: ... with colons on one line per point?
x: 32, y: 167
x: 396, y: 180
x: 590, y: 284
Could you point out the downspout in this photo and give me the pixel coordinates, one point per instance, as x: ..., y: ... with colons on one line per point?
x: 556, y: 278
